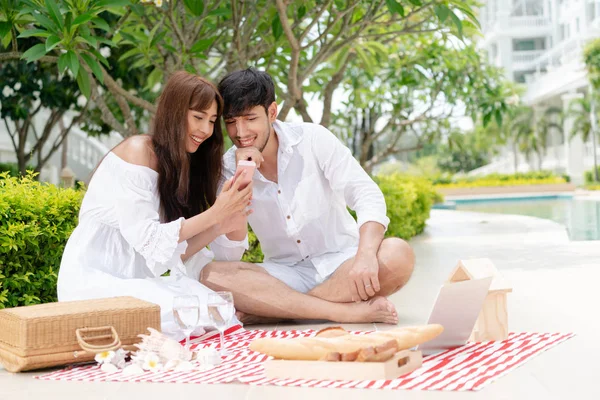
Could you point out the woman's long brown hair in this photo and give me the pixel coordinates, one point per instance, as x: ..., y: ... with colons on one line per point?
x: 187, y: 183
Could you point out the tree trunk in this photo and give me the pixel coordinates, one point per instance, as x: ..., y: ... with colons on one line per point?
x: 288, y: 104
x: 515, y: 156
x: 301, y: 107
x: 22, y: 162
x: 594, y: 138
x: 63, y: 154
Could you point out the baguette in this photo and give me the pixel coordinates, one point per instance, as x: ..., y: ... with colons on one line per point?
x: 318, y: 348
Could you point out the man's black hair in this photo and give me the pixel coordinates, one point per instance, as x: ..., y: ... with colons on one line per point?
x: 245, y: 89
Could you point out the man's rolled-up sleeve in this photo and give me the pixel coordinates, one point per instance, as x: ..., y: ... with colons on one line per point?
x: 226, y: 249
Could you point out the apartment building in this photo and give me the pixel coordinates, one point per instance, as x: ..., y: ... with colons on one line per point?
x: 539, y: 43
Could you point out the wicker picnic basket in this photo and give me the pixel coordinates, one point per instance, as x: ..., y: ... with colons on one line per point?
x: 54, y: 334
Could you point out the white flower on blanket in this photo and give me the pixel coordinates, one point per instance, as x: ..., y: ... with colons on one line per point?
x: 104, y: 357
x: 152, y: 363
x: 119, y: 358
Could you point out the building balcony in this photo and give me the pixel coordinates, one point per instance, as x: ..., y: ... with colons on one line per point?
x: 556, y: 71
x: 525, y: 60
x: 528, y: 21
x: 517, y: 26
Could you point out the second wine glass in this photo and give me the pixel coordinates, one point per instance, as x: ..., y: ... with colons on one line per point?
x: 220, y: 311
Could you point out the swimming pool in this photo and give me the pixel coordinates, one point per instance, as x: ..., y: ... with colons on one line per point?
x: 580, y: 216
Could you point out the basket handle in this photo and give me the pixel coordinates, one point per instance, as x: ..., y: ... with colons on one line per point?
x: 94, y: 348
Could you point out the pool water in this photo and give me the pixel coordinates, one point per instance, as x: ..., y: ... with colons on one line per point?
x: 581, y: 217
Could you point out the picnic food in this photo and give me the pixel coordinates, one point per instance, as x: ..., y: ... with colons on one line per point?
x: 335, y: 345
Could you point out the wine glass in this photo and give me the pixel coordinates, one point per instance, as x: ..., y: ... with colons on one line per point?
x: 186, y: 310
x: 220, y: 311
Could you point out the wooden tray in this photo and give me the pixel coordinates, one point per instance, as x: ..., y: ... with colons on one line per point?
x: 403, y: 362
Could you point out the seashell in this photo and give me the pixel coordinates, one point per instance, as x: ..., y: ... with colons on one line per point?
x: 132, y: 370
x: 208, y: 356
x: 166, y: 348
x: 171, y: 365
x: 109, y: 368
x: 184, y: 366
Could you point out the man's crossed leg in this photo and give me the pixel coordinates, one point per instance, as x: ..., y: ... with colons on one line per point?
x: 261, y: 297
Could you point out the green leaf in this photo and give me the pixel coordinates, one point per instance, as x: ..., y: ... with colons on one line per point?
x: 68, y: 21
x: 458, y: 24
x: 486, y: 119
x: 55, y: 14
x: 468, y: 12
x: 5, y: 27
x: 196, y: 7
x: 51, y: 42
x: 72, y: 62
x: 83, y: 81
x: 62, y: 63
x: 377, y: 47
x: 113, y: 3
x: 442, y: 12
x: 89, y: 39
x: 395, y: 7
x: 94, y: 66
x: 155, y: 39
x: 366, y: 59
x: 129, y: 53
x: 34, y: 32
x: 153, y: 32
x: 100, y: 23
x: 35, y: 53
x: 277, y: 27
x: 106, y: 41
x: 6, y: 40
x: 301, y: 12
x: 45, y: 22
x: 142, y: 62
x: 100, y: 57
x: 201, y: 45
x: 498, y: 116
x: 221, y: 12
x: 82, y: 19
x: 415, y: 2
x: 154, y: 77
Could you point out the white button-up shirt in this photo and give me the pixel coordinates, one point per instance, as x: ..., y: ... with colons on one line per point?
x: 304, y: 215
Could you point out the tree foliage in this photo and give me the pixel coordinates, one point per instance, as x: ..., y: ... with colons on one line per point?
x: 409, y: 53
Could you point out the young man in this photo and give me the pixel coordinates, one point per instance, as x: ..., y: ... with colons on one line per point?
x: 319, y: 262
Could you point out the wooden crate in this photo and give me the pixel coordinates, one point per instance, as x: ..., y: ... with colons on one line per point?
x: 403, y: 362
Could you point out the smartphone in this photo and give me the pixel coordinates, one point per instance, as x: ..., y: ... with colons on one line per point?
x: 249, y: 167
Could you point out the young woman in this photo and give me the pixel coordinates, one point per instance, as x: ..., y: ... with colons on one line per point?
x: 152, y: 206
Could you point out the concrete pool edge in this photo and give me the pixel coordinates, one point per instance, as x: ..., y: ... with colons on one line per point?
x: 579, y: 195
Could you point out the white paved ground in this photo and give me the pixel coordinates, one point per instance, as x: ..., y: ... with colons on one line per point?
x: 556, y: 289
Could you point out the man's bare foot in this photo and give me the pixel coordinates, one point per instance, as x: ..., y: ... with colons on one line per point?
x: 249, y: 319
x: 377, y: 309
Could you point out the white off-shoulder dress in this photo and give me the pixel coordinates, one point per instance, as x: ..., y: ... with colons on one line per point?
x: 121, y: 248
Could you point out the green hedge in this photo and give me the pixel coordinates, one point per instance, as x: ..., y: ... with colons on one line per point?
x: 589, y: 176
x: 521, y: 178
x: 11, y: 168
x: 409, y: 200
x: 36, y: 220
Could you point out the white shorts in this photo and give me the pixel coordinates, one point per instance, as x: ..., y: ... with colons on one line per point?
x: 303, y: 276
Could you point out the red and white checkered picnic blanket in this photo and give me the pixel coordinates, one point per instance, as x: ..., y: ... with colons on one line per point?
x: 469, y: 367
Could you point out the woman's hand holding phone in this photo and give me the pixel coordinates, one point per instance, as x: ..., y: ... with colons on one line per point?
x: 244, y: 179
x: 232, y: 200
